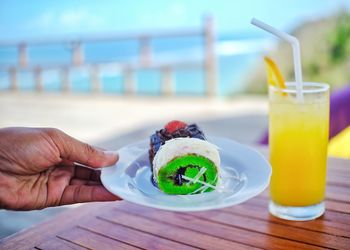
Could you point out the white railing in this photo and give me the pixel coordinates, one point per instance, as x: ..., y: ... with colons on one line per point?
x: 145, y: 60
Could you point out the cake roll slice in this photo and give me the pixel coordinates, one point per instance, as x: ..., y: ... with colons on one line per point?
x: 186, y: 166
x: 173, y: 129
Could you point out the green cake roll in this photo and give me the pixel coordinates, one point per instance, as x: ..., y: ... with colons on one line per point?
x: 186, y: 166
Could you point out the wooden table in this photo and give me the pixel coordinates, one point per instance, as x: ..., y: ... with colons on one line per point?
x: 122, y: 225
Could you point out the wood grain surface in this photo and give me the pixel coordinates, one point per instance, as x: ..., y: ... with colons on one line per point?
x: 122, y: 225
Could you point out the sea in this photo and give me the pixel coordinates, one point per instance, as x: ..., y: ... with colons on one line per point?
x: 236, y: 56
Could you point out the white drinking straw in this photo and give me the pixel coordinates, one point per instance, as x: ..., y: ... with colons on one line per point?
x: 293, y: 41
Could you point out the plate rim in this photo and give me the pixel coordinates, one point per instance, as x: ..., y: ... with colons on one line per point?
x: 264, y: 185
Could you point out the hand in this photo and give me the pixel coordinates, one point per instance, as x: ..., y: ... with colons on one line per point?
x: 37, y: 169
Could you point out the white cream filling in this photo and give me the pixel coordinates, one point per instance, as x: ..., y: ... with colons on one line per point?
x: 182, y: 146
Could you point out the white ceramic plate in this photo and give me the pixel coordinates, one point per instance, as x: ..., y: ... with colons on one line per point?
x: 245, y: 173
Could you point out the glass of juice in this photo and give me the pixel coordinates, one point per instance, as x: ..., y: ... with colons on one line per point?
x: 298, y: 138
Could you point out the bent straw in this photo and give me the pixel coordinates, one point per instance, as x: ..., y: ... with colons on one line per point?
x: 293, y: 41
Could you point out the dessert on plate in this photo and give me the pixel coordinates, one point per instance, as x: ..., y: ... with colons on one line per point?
x: 182, y: 160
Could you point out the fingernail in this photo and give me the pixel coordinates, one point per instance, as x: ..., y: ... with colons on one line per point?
x: 111, y: 154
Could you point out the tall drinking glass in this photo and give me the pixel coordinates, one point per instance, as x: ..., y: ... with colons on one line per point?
x: 298, y: 138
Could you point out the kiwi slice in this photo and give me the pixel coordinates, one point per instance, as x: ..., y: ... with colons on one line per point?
x: 169, y: 176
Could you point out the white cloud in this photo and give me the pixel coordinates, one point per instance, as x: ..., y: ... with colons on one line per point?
x: 73, y: 17
x: 72, y: 20
x: 177, y: 10
x: 79, y: 17
x: 175, y: 14
x: 44, y: 21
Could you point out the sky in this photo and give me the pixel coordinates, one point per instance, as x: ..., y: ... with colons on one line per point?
x: 37, y: 19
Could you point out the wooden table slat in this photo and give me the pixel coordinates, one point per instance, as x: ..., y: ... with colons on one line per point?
x: 334, y: 171
x: 331, y: 205
x: 333, y: 193
x: 337, y: 196
x: 318, y: 225
x: 339, y: 183
x: 131, y: 236
x: 176, y: 233
x: 278, y: 230
x: 216, y: 229
x: 67, y: 219
x: 338, y: 206
x: 343, y: 175
x: 92, y: 240
x: 338, y: 164
x: 338, y: 217
x: 121, y: 225
x: 330, y: 215
x: 58, y: 244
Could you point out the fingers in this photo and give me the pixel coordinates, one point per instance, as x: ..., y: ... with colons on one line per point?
x: 82, y: 193
x: 86, y: 173
x: 74, y: 150
x: 81, y: 172
x: 84, y: 182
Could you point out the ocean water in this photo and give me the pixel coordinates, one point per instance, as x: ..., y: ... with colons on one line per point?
x: 235, y: 57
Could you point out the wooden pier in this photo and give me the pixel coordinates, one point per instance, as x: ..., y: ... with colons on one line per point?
x: 146, y: 60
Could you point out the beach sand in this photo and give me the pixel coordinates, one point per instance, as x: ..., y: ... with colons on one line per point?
x: 114, y: 121
x: 96, y: 118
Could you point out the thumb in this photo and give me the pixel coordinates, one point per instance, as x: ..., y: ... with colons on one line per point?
x: 74, y: 150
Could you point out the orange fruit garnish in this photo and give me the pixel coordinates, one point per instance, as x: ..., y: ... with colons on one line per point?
x: 274, y: 76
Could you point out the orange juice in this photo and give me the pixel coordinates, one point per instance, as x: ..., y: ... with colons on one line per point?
x: 298, y: 138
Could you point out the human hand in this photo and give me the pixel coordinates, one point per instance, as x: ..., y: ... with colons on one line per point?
x: 37, y: 169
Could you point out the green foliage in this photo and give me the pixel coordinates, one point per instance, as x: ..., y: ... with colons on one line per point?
x: 325, y: 47
x: 340, y: 39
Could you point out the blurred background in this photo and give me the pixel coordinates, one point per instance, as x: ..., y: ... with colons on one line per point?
x: 111, y: 72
